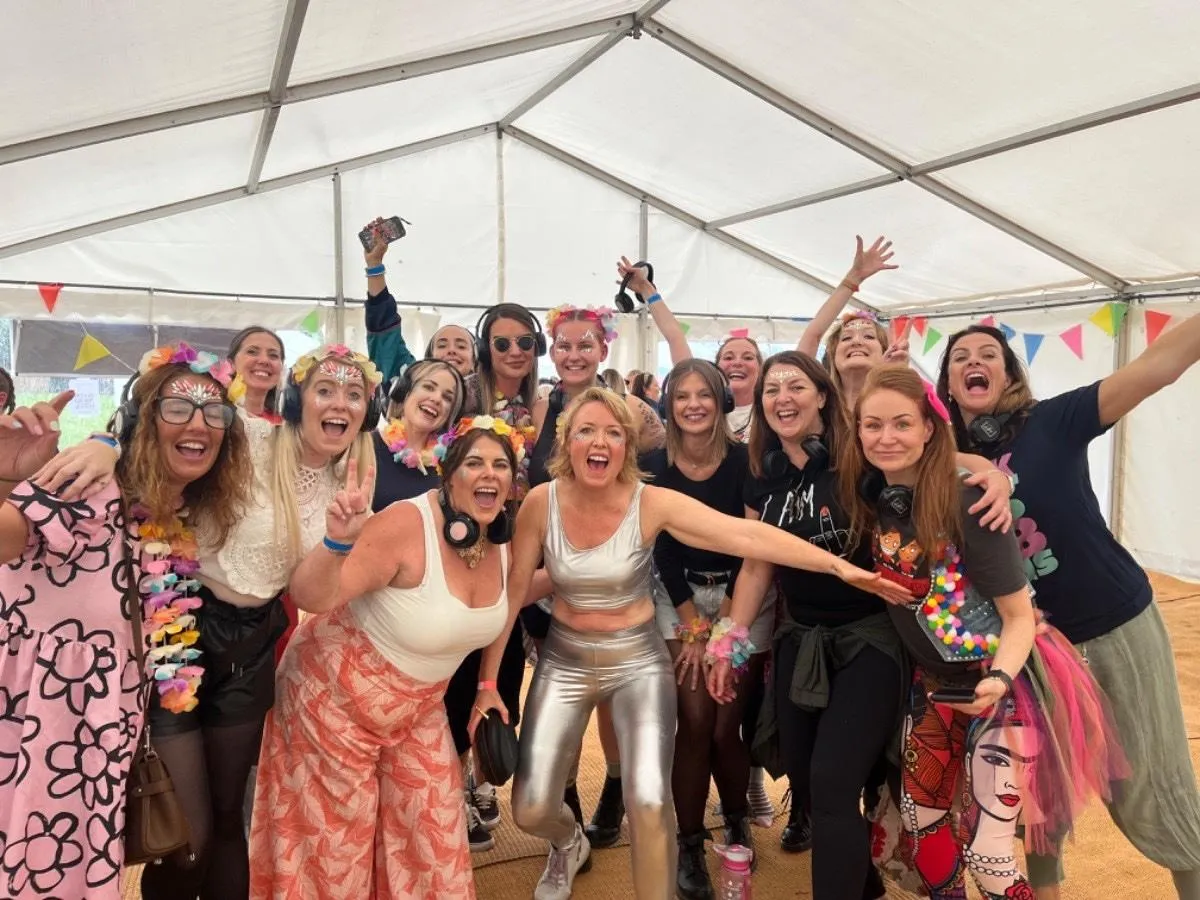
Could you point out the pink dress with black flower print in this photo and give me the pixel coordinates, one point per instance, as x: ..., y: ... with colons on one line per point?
x: 70, y: 711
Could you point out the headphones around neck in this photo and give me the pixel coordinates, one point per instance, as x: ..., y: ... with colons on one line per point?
x: 892, y: 500
x: 726, y: 398
x: 776, y: 462
x: 623, y: 301
x: 292, y: 408
x: 514, y: 311
x: 986, y: 431
x: 401, y: 386
x: 461, y: 531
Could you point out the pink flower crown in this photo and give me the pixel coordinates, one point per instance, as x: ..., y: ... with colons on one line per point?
x: 856, y: 314
x: 184, y: 354
x: 497, y: 426
x: 597, y: 315
x: 304, y: 364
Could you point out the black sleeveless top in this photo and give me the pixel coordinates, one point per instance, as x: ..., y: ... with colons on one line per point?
x: 545, y: 442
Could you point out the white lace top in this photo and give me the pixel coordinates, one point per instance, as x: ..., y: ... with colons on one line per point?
x: 254, y: 564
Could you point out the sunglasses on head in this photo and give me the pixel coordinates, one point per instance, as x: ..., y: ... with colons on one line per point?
x: 525, y: 343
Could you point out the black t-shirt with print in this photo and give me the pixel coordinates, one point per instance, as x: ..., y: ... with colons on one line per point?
x: 1085, y: 581
x: 990, y: 559
x: 805, y: 503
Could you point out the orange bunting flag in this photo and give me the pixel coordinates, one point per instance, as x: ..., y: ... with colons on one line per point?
x: 1155, y: 323
x: 49, y: 294
x: 89, y: 351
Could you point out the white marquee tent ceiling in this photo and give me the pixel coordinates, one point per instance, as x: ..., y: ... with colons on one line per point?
x: 1022, y: 149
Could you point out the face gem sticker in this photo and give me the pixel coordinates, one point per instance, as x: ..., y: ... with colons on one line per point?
x: 783, y: 375
x: 340, y: 372
x: 197, y: 392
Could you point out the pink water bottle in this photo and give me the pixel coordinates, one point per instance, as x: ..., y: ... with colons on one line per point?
x: 733, y: 883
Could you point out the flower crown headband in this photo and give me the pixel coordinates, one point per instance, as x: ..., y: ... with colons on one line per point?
x: 184, y: 354
x: 340, y: 351
x: 597, y: 315
x: 485, y: 423
x: 860, y: 314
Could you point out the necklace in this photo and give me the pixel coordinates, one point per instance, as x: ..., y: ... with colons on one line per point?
x: 942, y: 605
x: 428, y: 459
x: 472, y: 555
x: 168, y: 562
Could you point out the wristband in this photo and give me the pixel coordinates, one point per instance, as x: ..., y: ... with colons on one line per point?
x: 854, y: 286
x: 653, y: 298
x: 372, y: 271
x: 1012, y: 482
x: 104, y: 438
x: 1001, y: 676
x: 695, y: 632
x: 732, y: 642
x: 487, y: 686
x: 336, y: 547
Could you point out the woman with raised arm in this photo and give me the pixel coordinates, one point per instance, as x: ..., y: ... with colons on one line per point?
x: 360, y: 791
x: 595, y: 526
x: 1016, y: 713
x: 72, y: 700
x: 1089, y: 585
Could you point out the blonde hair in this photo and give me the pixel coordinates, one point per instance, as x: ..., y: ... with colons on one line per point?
x: 559, y: 464
x: 835, y: 337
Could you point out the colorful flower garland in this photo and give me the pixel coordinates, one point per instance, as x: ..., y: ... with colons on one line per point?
x: 941, y: 606
x: 199, y: 361
x: 516, y: 437
x: 169, y: 563
x: 428, y: 459
x: 597, y: 315
x: 371, y: 373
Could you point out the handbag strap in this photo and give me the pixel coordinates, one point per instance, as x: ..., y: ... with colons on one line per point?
x: 133, y: 602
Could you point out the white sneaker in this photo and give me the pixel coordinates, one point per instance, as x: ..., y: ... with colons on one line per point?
x: 562, y: 867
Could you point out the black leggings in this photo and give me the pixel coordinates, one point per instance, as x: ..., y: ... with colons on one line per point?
x: 709, y: 743
x: 208, y: 768
x: 829, y: 755
x: 464, y: 685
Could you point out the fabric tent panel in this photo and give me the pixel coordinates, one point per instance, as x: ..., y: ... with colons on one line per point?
x: 449, y: 195
x: 1055, y: 367
x: 51, y: 348
x: 70, y: 65
x: 928, y: 79
x: 343, y: 126
x: 345, y: 36
x: 698, y: 275
x: 558, y: 252
x: 941, y: 250
x: 1161, y: 493
x: 52, y: 193
x: 656, y: 119
x: 276, y: 243
x: 1125, y: 195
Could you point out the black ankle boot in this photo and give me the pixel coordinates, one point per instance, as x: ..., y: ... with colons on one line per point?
x: 737, y: 831
x: 692, y: 881
x: 571, y: 798
x: 605, y: 827
x: 797, y: 836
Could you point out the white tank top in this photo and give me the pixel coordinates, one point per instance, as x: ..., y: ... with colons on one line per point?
x: 425, y: 631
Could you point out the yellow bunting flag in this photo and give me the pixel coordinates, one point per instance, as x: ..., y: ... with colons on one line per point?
x: 1109, y: 317
x: 89, y: 351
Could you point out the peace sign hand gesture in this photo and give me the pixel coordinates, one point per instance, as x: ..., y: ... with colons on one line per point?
x: 350, y: 508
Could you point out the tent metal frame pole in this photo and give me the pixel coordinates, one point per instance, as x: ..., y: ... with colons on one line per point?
x: 647, y: 345
x: 877, y: 155
x: 1122, y: 350
x: 285, y: 55
x: 501, y: 223
x: 237, y: 193
x: 339, y: 296
x: 845, y: 190
x: 327, y: 87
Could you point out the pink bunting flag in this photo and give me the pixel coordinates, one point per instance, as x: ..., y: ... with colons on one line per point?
x: 989, y: 321
x: 919, y: 323
x: 1155, y: 323
x: 1073, y: 338
x: 740, y: 333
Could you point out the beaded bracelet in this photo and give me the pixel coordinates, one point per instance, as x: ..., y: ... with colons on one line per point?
x: 695, y: 632
x: 732, y: 642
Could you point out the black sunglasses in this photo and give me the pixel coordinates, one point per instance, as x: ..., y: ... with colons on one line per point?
x: 525, y: 343
x: 179, y: 411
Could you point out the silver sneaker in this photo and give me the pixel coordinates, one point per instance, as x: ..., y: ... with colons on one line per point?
x: 484, y: 799
x: 562, y: 867
x: 479, y: 838
x: 762, y: 810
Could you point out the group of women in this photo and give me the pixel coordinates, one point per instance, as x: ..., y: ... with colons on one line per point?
x: 845, y: 520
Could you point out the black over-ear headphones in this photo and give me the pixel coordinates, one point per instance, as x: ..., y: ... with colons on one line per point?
x: 726, y: 399
x: 293, y: 406
x: 893, y: 500
x: 986, y: 431
x: 461, y: 531
x: 125, y: 418
x: 776, y: 462
x: 514, y: 311
x: 623, y: 300
x: 401, y: 386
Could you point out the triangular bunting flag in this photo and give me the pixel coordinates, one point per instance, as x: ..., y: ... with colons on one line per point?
x: 311, y: 324
x: 90, y: 350
x: 1073, y: 338
x: 919, y: 324
x: 1155, y: 323
x: 49, y: 294
x: 899, y: 324
x: 932, y: 336
x: 1009, y: 333
x: 1107, y: 319
x: 1119, y: 312
x: 1033, y: 343
x: 739, y: 333
x: 685, y: 328
x: 990, y: 321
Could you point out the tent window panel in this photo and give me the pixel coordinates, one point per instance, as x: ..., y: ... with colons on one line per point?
x: 52, y: 348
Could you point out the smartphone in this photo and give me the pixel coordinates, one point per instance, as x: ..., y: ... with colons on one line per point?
x: 393, y: 230
x: 953, y: 695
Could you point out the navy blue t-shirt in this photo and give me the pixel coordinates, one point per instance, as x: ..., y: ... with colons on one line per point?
x: 396, y: 482
x: 1084, y: 580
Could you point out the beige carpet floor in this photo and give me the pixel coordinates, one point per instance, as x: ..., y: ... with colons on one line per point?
x: 1101, y: 864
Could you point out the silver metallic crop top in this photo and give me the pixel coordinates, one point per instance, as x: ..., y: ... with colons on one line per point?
x: 607, y: 577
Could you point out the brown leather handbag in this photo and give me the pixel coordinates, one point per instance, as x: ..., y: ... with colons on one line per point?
x: 155, y: 826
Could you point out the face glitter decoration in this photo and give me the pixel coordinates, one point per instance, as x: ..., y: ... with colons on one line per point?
x: 340, y: 372
x: 783, y: 375
x: 198, y: 393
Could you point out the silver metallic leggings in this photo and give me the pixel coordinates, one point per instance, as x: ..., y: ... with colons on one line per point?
x: 575, y: 671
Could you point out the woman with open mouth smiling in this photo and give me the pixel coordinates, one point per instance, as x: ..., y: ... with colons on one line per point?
x: 330, y: 405
x: 257, y: 357
x: 595, y: 526
x: 980, y: 657
x: 1089, y: 585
